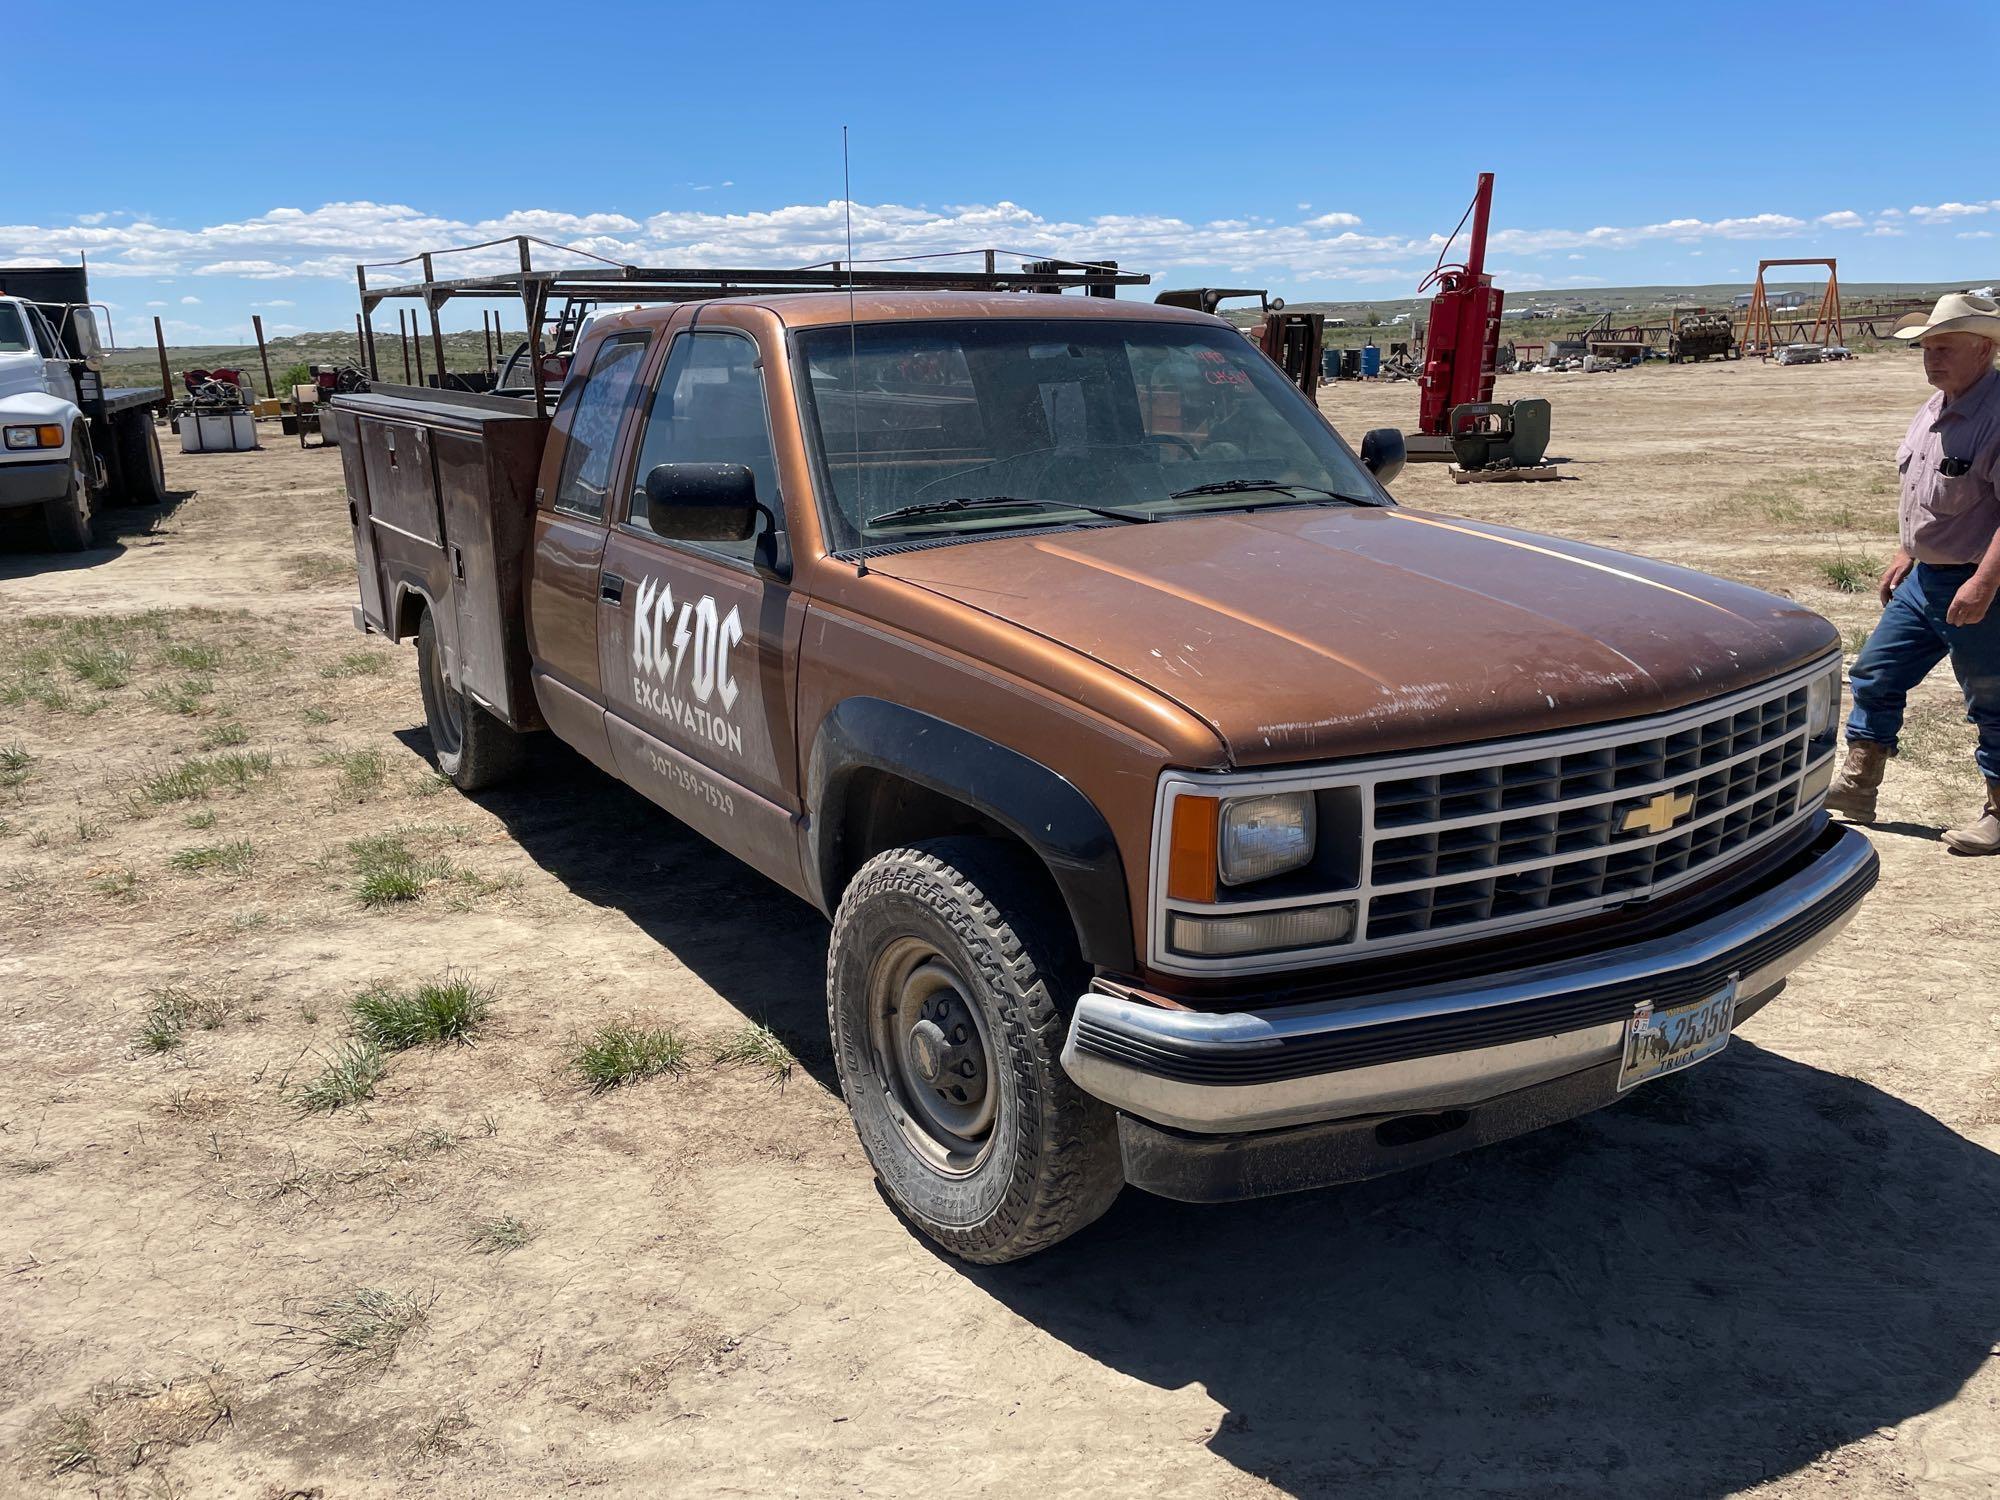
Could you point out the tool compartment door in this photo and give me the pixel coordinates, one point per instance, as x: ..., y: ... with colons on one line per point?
x: 485, y: 482
x: 406, y: 530
x: 367, y: 567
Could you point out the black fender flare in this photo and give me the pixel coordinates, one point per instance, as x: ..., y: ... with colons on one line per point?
x: 1037, y: 805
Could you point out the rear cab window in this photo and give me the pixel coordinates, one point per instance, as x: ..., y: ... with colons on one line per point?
x: 598, y: 406
x: 13, y: 332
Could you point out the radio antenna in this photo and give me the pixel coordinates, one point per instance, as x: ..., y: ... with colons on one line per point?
x: 853, y: 363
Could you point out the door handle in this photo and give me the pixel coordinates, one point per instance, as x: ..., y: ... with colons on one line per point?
x: 611, y: 588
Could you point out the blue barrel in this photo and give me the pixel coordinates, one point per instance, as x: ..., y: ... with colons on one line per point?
x: 1371, y: 362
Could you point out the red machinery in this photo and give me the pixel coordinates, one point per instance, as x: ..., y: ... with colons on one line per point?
x: 1464, y: 334
x: 1457, y: 416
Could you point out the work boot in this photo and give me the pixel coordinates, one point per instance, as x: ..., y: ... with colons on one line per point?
x: 1854, y: 789
x: 1982, y: 834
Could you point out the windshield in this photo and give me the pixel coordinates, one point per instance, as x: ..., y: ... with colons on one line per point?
x: 961, y: 428
x: 13, y: 332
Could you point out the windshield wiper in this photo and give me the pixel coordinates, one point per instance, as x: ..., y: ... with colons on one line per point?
x: 1245, y: 486
x: 1001, y: 502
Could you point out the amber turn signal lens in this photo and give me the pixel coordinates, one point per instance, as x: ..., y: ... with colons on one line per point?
x: 49, y: 437
x: 1191, y: 849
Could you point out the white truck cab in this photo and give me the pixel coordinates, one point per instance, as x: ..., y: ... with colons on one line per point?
x: 66, y: 443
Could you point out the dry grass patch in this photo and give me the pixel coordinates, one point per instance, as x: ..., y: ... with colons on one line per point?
x: 760, y: 1048
x: 173, y: 1011
x: 350, y: 1076
x: 314, y: 570
x: 15, y: 764
x: 127, y: 1424
x: 203, y: 776
x: 358, y: 664
x: 1849, y: 575
x: 188, y: 697
x: 233, y: 858
x: 499, y: 1236
x: 628, y: 1051
x: 361, y: 1330
x: 446, y: 1009
x: 361, y: 771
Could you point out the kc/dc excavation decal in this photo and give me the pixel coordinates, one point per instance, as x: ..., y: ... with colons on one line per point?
x: 697, y: 641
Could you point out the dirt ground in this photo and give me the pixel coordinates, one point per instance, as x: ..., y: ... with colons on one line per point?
x: 1780, y: 1272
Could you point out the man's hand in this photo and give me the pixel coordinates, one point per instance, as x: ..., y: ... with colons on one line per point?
x: 1893, y: 575
x: 1969, y: 605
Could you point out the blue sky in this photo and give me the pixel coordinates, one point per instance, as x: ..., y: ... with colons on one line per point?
x: 244, y: 160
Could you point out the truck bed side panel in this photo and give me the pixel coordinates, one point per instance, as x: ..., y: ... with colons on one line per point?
x: 442, y: 486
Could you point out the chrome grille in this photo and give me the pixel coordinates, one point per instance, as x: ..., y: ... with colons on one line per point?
x: 1537, y: 833
x: 1483, y: 839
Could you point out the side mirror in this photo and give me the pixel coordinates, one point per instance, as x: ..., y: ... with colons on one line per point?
x: 701, y: 502
x: 1383, y: 451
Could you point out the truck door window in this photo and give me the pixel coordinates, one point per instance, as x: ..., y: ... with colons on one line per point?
x: 709, y: 409
x: 602, y: 399
x: 44, y: 339
x: 13, y: 333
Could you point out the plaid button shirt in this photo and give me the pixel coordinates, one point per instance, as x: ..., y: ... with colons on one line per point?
x: 1949, y: 465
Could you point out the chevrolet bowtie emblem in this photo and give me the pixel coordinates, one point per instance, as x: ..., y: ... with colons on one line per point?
x: 1660, y: 814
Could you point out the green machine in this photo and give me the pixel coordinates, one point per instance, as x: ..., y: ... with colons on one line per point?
x: 1500, y: 434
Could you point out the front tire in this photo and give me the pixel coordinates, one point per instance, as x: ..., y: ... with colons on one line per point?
x: 943, y: 976
x: 473, y: 748
x: 71, y: 519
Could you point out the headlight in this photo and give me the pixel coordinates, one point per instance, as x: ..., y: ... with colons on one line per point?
x: 1823, y: 706
x: 1265, y: 836
x: 48, y: 435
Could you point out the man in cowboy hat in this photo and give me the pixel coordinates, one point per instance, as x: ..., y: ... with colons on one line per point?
x: 1938, y: 592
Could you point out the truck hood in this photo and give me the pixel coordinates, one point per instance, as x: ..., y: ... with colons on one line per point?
x: 20, y: 373
x: 1306, y: 634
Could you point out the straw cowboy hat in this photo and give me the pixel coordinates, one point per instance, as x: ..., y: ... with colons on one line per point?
x: 1957, y: 312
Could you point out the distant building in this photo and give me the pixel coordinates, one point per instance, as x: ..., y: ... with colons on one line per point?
x: 1777, y: 301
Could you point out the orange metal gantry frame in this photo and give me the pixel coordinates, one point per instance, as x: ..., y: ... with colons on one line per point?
x: 1760, y: 338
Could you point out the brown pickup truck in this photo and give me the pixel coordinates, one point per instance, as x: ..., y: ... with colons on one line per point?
x: 1189, y: 814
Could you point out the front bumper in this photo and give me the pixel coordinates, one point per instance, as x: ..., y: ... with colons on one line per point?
x: 1443, y: 1047
x: 33, y: 482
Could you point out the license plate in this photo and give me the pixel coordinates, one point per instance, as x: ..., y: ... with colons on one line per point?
x: 1658, y: 1042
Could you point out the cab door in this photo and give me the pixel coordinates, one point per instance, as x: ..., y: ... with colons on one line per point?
x: 571, y: 520
x: 56, y: 377
x: 697, y: 649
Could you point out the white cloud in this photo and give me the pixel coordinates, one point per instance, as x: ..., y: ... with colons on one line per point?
x: 1975, y: 234
x: 1883, y: 230
x: 324, y: 243
x: 190, y: 302
x: 1944, y: 213
x: 156, y: 304
x: 276, y: 302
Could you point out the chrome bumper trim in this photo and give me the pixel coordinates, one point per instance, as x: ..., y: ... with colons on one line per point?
x: 1125, y: 1052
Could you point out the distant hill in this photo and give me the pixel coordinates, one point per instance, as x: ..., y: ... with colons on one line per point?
x: 1574, y: 308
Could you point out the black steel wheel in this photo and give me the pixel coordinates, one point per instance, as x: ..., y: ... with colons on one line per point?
x: 948, y: 975
x: 472, y: 747
x: 71, y: 518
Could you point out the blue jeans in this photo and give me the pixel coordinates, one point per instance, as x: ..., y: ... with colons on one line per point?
x: 1911, y: 639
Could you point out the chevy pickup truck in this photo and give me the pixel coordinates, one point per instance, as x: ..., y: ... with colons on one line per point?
x: 1189, y: 814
